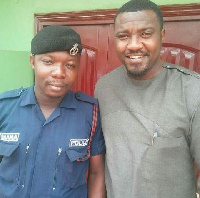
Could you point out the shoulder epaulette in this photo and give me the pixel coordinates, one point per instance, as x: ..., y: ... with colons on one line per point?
x: 12, y: 94
x: 85, y: 98
x: 182, y: 69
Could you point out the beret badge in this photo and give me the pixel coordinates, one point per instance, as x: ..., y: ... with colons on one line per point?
x: 74, y: 50
x: 56, y: 38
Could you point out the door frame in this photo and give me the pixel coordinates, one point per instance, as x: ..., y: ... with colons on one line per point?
x: 176, y: 12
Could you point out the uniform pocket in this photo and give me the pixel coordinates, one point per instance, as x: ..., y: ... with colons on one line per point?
x: 75, y: 171
x: 9, y: 166
x: 76, y: 153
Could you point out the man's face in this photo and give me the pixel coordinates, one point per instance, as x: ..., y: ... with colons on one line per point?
x: 138, y: 39
x: 55, y: 73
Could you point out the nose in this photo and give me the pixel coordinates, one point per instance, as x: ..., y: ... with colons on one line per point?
x: 59, y: 72
x: 134, y: 43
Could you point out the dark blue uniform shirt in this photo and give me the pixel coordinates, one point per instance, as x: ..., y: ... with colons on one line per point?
x: 39, y: 155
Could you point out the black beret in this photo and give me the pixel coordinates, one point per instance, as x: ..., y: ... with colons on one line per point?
x: 56, y: 38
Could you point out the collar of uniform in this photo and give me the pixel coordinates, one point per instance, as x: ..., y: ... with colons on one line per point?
x: 69, y: 101
x: 28, y: 97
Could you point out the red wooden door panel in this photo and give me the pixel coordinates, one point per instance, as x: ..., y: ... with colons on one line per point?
x: 181, y: 45
x: 94, y: 56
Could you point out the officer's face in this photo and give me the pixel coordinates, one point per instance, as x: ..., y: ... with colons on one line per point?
x: 55, y: 73
x: 138, y: 38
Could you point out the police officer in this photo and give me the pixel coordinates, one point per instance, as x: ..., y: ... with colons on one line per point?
x: 50, y: 136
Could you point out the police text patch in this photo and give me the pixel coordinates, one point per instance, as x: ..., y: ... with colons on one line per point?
x: 9, y: 137
x: 78, y: 142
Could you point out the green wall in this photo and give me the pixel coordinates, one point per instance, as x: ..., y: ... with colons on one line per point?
x: 17, y: 30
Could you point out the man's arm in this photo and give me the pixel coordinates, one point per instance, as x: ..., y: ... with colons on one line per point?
x: 96, y: 177
x: 195, y: 143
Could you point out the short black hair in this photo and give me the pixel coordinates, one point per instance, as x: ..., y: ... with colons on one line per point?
x: 139, y: 5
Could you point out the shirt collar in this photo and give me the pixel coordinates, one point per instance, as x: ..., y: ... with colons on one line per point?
x: 69, y: 101
x: 28, y: 97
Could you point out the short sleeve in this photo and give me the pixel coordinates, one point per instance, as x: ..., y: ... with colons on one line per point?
x: 98, y: 143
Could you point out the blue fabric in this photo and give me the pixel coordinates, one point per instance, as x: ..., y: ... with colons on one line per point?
x: 6, y: 149
x: 41, y: 161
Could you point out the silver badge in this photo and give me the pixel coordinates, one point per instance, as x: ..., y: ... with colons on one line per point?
x: 74, y: 49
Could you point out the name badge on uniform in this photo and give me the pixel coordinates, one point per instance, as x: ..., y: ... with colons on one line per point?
x: 9, y: 137
x: 78, y: 142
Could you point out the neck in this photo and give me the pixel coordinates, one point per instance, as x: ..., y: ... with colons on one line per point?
x: 47, y: 104
x: 48, y: 107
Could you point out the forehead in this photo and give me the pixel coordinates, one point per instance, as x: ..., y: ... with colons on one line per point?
x: 137, y: 19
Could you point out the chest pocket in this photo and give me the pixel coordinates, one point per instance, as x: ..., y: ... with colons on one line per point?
x: 9, y: 166
x: 72, y: 173
x: 163, y: 158
x: 76, y: 153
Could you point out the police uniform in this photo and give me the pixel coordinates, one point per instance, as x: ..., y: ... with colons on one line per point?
x: 40, y: 156
x: 48, y: 158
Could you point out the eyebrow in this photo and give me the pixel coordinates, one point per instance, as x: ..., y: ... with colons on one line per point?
x: 148, y: 28
x: 121, y: 31
x: 142, y: 29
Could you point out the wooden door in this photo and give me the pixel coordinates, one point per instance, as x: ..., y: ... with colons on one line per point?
x: 98, y: 56
x: 94, y: 39
x: 181, y: 45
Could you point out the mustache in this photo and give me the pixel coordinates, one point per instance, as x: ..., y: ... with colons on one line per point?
x: 137, y: 53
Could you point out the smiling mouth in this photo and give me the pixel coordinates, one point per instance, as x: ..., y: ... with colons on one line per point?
x: 57, y: 87
x: 135, y: 57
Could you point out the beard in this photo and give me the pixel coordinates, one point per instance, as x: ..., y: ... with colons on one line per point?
x: 137, y: 73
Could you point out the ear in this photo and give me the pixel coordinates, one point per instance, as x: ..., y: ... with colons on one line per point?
x: 32, y: 61
x: 162, y: 34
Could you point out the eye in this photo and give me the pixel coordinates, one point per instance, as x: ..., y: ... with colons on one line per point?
x: 146, y: 34
x: 122, y: 36
x: 70, y: 66
x: 47, y: 62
